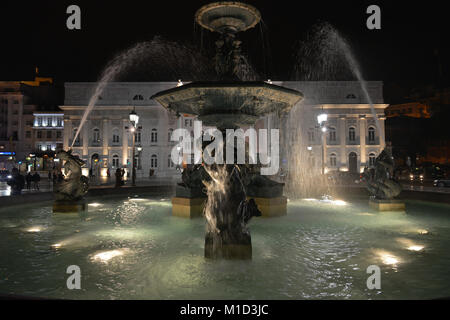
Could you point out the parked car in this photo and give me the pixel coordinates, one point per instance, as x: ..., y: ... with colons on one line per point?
x: 441, y: 183
x: 5, y: 175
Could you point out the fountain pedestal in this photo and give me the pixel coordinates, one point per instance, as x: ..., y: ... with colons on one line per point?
x: 188, y: 207
x: 387, y: 205
x: 271, y: 207
x: 62, y: 206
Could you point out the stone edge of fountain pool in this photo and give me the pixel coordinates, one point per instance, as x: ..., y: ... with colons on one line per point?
x: 167, y: 191
x: 94, y: 193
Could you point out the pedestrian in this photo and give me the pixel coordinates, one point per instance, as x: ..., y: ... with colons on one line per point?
x: 119, y: 177
x: 17, y: 182
x: 49, y: 176
x: 36, y: 178
x: 108, y: 173
x: 28, y: 179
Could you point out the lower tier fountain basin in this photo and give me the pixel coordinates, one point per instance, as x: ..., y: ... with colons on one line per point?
x: 133, y: 248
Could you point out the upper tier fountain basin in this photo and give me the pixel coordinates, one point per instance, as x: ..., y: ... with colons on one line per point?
x: 228, y: 104
x: 227, y: 17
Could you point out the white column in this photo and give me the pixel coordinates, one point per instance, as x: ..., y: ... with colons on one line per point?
x: 362, y: 140
x: 343, y: 140
x: 382, y: 140
x: 67, y: 132
x: 106, y: 136
x: 125, y: 123
x: 85, y: 135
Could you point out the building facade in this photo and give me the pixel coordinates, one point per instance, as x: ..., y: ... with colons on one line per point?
x: 351, y: 142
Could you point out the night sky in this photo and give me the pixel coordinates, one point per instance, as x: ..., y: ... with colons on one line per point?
x: 405, y: 53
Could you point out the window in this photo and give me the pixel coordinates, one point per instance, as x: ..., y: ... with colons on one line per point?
x: 154, y: 136
x: 333, y: 160
x: 49, y: 147
x: 74, y: 134
x: 39, y: 134
x: 372, y: 158
x: 170, y: 134
x: 28, y: 134
x: 58, y: 134
x: 154, y: 161
x: 371, y: 134
x: 59, y: 122
x: 116, y: 138
x: 29, y: 123
x: 15, y: 135
x: 138, y: 136
x: 311, y: 136
x: 49, y: 134
x: 96, y: 137
x: 351, y: 134
x: 188, y: 122
x: 39, y: 121
x: 115, y: 161
x: 332, y: 134
x: 49, y: 121
x: 137, y: 162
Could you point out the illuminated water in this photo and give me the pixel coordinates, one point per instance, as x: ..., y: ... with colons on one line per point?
x: 137, y: 250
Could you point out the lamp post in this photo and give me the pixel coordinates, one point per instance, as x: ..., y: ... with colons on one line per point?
x: 322, y: 119
x: 134, y: 119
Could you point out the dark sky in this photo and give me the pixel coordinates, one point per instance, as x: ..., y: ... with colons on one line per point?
x: 403, y: 52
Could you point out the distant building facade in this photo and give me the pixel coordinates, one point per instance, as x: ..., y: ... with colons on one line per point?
x: 19, y: 100
x: 105, y: 140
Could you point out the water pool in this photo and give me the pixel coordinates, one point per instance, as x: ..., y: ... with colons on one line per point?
x: 134, y: 249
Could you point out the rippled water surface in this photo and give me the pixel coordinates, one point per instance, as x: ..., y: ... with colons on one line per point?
x: 135, y: 249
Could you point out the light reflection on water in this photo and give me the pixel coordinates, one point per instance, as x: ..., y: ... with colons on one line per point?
x: 134, y: 249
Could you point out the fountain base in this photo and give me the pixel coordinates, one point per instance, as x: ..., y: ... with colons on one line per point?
x: 188, y: 207
x: 387, y: 205
x: 62, y: 206
x: 219, y: 246
x: 271, y: 207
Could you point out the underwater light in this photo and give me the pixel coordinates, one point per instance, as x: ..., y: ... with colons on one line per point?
x: 105, y: 256
x: 388, y: 259
x: 56, y: 245
x: 95, y: 204
x: 339, y: 202
x: 422, y: 231
x: 34, y: 229
x: 415, y: 248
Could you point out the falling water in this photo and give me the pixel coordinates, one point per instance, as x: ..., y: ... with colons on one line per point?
x: 324, y: 55
x: 158, y: 59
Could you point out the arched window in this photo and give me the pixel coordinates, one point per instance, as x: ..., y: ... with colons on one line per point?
x: 96, y: 135
x: 138, y: 97
x: 154, y: 161
x: 332, y: 134
x: 371, y: 134
x: 137, y: 162
x: 351, y: 134
x: 115, y: 137
x: 372, y: 158
x: 154, y: 136
x: 333, y: 160
x: 170, y: 134
x: 115, y: 161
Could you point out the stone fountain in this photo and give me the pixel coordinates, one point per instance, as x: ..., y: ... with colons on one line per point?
x: 70, y: 191
x: 235, y: 193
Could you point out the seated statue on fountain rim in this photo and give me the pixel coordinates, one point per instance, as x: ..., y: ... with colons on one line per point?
x: 74, y: 185
x: 380, y: 182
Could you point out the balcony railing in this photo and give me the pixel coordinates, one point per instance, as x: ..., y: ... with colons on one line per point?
x: 374, y: 142
x: 352, y: 142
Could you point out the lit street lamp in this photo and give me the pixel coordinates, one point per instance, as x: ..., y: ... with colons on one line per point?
x: 134, y: 119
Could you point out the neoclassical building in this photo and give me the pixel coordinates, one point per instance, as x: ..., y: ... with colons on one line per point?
x: 105, y: 141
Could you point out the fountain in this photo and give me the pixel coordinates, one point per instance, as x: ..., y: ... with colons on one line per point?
x: 235, y: 193
x: 69, y: 192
